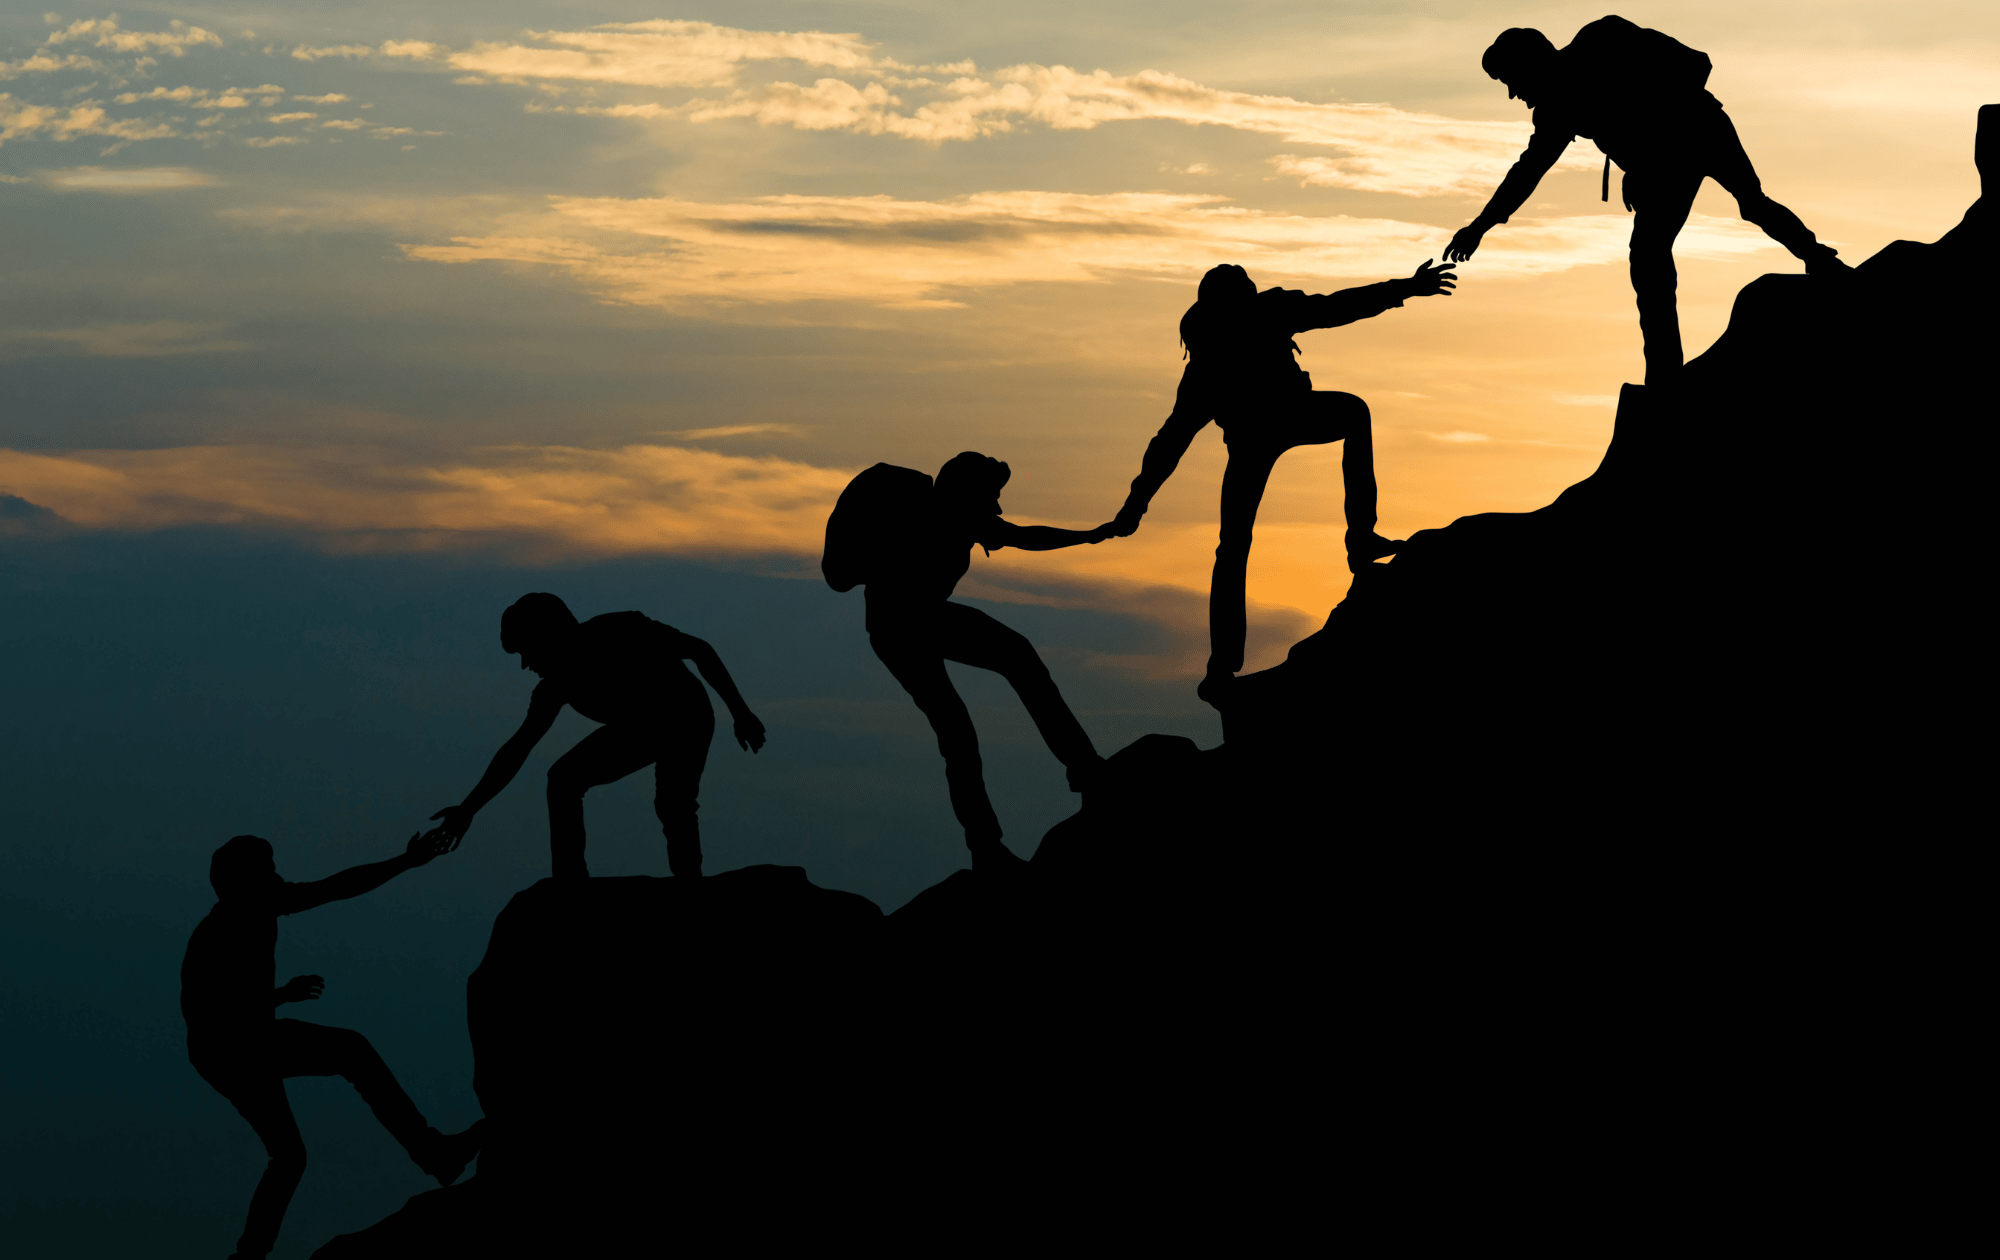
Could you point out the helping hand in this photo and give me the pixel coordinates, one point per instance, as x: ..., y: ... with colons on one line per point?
x: 1126, y: 523
x: 457, y: 821
x: 429, y: 844
x: 302, y: 989
x: 1465, y: 244
x: 749, y: 733
x: 1430, y: 281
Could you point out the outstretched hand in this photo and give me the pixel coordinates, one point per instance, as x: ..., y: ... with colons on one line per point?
x: 1429, y: 281
x: 749, y: 733
x: 302, y: 989
x: 1464, y: 244
x: 457, y: 821
x: 427, y: 845
x: 1125, y: 524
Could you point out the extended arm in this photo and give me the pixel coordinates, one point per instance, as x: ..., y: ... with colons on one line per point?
x: 356, y: 880
x: 1523, y: 177
x: 1163, y: 454
x: 749, y: 731
x: 1005, y: 533
x: 501, y: 770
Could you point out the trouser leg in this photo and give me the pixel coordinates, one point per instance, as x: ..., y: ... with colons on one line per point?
x: 973, y: 638
x: 1729, y: 165
x: 916, y: 660
x: 1243, y: 483
x: 259, y: 1097
x: 307, y: 1049
x: 1661, y: 205
x: 606, y: 755
x: 677, y: 793
x: 1357, y: 469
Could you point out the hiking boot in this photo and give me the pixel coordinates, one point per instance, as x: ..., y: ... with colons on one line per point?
x: 1084, y: 777
x: 1216, y: 690
x: 1822, y: 260
x: 1366, y: 549
x: 450, y: 1153
x: 990, y: 857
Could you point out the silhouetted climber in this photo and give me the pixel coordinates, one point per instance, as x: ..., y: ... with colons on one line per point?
x: 909, y: 542
x: 1241, y: 374
x: 622, y: 669
x: 229, y: 998
x: 1642, y: 97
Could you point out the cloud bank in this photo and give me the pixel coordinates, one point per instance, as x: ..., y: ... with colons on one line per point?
x: 673, y: 253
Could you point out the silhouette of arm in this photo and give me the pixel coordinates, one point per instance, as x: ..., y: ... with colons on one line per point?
x: 749, y: 731
x: 997, y: 533
x: 542, y: 710
x: 1544, y: 148
x: 355, y: 880
x: 1163, y: 453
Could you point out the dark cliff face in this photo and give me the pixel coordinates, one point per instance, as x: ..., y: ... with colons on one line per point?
x: 1568, y: 824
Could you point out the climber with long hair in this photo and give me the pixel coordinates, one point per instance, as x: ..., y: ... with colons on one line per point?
x: 1241, y: 374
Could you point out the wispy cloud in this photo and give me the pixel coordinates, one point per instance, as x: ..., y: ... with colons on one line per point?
x: 661, y: 53
x: 740, y: 430
x: 267, y: 95
x: 106, y: 32
x: 44, y: 63
x: 1380, y: 148
x: 554, y: 499
x: 674, y: 253
x: 1375, y: 148
x: 21, y: 120
x: 119, y: 341
x: 546, y: 503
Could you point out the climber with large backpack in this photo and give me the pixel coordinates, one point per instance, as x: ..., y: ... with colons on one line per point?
x: 907, y: 540
x: 1643, y: 97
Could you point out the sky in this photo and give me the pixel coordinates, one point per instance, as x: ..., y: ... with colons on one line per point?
x: 327, y: 330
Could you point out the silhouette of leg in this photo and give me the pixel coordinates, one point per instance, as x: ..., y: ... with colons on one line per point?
x: 682, y: 756
x: 257, y: 1091
x: 1243, y: 482
x: 973, y: 638
x: 307, y: 1049
x: 1661, y: 200
x: 1727, y: 164
x: 606, y: 755
x: 915, y: 657
x: 1332, y: 416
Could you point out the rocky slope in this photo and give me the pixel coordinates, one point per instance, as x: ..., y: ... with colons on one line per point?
x: 1567, y: 825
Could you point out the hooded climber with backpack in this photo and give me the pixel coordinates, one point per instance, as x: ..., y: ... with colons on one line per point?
x: 1642, y: 96
x: 908, y: 540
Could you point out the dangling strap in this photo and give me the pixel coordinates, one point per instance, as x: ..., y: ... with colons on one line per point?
x: 1606, y: 194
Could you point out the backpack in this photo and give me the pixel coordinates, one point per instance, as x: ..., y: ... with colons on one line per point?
x: 870, y: 522
x: 1636, y: 61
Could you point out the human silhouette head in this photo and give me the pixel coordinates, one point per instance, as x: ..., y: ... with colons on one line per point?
x: 972, y: 480
x: 1226, y: 285
x: 533, y: 624
x: 243, y: 864
x: 1522, y: 58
